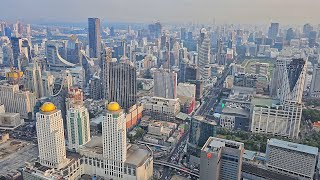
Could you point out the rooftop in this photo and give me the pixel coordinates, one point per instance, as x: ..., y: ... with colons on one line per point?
x: 213, y: 144
x: 293, y: 146
x: 48, y: 107
x: 264, y: 101
x: 235, y: 111
x: 137, y: 156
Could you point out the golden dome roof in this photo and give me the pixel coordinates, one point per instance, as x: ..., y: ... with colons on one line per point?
x: 113, y: 106
x: 48, y: 107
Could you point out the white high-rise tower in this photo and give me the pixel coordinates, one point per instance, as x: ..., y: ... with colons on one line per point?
x: 50, y: 133
x: 77, y: 119
x: 114, y: 140
x: 204, y: 53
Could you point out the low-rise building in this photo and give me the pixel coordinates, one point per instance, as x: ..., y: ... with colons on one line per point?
x: 161, y: 108
x: 291, y: 158
x: 133, y: 115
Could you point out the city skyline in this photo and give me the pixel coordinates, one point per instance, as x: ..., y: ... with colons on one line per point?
x: 205, y: 11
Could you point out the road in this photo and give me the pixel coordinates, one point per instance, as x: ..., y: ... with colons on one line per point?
x: 174, y: 155
x: 213, y: 95
x: 204, y: 109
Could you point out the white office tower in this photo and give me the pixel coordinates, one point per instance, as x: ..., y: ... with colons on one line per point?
x: 34, y: 79
x: 165, y: 84
x: 282, y: 118
x: 204, y: 53
x: 78, y: 124
x: 291, y: 158
x: 114, y: 141
x: 50, y: 134
x: 315, y: 83
x: 289, y: 79
x: 221, y: 159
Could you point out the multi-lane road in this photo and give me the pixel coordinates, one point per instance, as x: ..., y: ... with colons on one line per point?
x: 212, y: 97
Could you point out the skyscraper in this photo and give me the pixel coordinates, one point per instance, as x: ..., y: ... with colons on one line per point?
x: 73, y: 50
x: 290, y: 78
x: 119, y: 81
x: 183, y: 34
x: 94, y: 37
x: 290, y: 34
x: 315, y: 82
x: 221, y: 159
x: 106, y: 58
x: 16, y: 49
x: 273, y: 31
x: 282, y: 117
x: 204, y: 52
x: 307, y: 28
x: 114, y: 140
x: 7, y: 55
x: 165, y: 84
x: 192, y: 75
x: 34, y: 79
x: 95, y: 87
x: 78, y: 126
x: 50, y: 135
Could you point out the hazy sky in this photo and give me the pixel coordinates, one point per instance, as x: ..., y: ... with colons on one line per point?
x: 223, y: 11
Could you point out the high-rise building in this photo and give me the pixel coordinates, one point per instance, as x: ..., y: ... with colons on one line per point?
x: 289, y: 79
x: 200, y: 130
x: 78, y: 126
x: 221, y: 159
x: 155, y: 30
x: 192, y: 75
x: 47, y: 83
x: 220, y: 59
x: 8, y: 32
x: 183, y: 34
x: 119, y: 82
x: 273, y: 31
x: 74, y: 50
x: 283, y: 116
x: 17, y: 101
x: 95, y: 87
x: 114, y: 140
x: 307, y: 28
x: 16, y: 49
x: 107, y: 156
x: 112, y: 33
x: 33, y: 78
x: 315, y: 83
x: 106, y: 58
x: 7, y: 55
x: 290, y: 34
x: 50, y: 135
x: 94, y: 37
x: 291, y: 158
x: 165, y: 84
x: 204, y: 52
